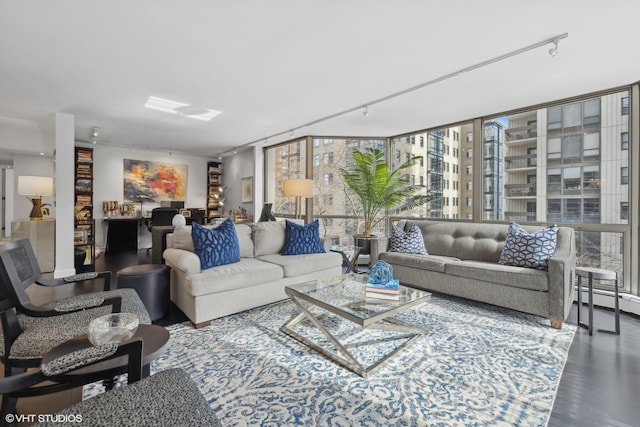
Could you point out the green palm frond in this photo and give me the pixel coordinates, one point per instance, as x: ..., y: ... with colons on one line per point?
x: 382, y: 190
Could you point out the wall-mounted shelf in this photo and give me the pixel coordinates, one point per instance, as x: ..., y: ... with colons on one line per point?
x: 84, y: 233
x: 215, y: 198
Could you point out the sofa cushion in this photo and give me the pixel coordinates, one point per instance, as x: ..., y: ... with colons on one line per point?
x: 268, y: 237
x: 182, y: 239
x: 531, y: 250
x: 247, y: 272
x: 409, y: 241
x: 302, y: 239
x: 216, y: 246
x: 462, y: 240
x: 296, y: 265
x: 423, y: 262
x: 517, y: 277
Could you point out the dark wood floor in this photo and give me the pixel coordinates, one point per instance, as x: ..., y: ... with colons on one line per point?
x: 600, y: 385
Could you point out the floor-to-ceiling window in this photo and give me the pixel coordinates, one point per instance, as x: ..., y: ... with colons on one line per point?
x: 282, y: 162
x: 339, y: 213
x: 445, y: 169
x: 566, y: 164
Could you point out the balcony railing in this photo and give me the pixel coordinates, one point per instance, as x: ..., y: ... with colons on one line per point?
x: 523, y: 132
x: 520, y: 162
x: 522, y: 216
x: 520, y: 190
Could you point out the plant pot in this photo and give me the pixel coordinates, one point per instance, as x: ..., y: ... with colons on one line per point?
x: 364, y: 243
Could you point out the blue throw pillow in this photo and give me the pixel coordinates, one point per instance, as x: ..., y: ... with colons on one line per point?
x: 216, y: 246
x: 532, y: 250
x: 302, y: 239
x: 409, y: 242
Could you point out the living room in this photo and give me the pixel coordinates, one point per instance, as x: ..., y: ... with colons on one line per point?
x: 295, y: 99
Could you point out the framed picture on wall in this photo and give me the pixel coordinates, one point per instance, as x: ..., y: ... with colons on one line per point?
x: 246, y: 185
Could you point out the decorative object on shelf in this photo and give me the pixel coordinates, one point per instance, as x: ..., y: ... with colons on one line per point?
x: 266, y: 214
x: 185, y: 212
x: 246, y: 185
x: 34, y: 187
x: 382, y: 192
x: 154, y: 181
x: 298, y: 188
x: 84, y: 232
x: 215, y: 201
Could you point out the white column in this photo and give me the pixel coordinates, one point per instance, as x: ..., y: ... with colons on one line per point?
x: 64, y: 171
x: 258, y: 182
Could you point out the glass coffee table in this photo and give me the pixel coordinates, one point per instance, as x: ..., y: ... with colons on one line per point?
x: 345, y: 298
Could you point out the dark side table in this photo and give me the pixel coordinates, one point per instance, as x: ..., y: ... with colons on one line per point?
x: 151, y: 282
x: 592, y: 274
x: 155, y: 341
x: 350, y: 258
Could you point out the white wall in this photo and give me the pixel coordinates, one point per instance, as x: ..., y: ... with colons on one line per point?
x: 108, y: 181
x: 234, y: 168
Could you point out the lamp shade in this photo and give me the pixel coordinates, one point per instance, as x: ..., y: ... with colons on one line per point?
x: 297, y: 187
x: 35, y: 186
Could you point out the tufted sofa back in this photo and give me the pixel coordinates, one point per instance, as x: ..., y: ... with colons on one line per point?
x: 466, y: 240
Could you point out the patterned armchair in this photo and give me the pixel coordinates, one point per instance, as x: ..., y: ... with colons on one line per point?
x: 167, y: 398
x: 30, y: 331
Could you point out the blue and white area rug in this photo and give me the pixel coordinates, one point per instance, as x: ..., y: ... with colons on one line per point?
x: 478, y: 366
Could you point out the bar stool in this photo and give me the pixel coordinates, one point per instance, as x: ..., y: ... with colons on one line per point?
x: 597, y: 274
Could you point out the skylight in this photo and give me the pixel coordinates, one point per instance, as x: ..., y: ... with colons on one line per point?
x: 180, y: 108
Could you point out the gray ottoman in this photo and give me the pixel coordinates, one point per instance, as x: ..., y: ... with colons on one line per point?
x: 151, y: 282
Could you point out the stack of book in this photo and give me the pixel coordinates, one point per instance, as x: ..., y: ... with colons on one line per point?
x: 389, y: 290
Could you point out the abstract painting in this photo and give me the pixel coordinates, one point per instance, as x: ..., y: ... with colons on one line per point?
x: 146, y: 181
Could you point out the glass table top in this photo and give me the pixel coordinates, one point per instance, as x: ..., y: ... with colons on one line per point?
x: 346, y: 295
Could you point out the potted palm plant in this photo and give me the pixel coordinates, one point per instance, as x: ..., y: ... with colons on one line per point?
x: 381, y: 191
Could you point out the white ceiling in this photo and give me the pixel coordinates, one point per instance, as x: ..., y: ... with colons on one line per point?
x: 274, y: 65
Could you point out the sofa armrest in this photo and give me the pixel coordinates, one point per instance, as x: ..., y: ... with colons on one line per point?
x: 562, y: 270
x: 378, y: 245
x: 183, y: 260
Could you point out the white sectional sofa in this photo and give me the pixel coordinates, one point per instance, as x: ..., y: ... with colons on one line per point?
x: 258, y: 278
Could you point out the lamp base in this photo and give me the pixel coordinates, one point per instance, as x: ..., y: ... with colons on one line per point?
x: 36, y: 211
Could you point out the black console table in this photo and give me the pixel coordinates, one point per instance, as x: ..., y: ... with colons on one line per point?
x: 122, y: 233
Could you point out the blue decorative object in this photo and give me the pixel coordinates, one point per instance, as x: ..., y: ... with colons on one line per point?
x: 381, y: 276
x: 302, y: 239
x: 531, y: 250
x: 216, y: 246
x: 409, y: 242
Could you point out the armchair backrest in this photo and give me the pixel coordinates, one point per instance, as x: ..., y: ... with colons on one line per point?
x: 162, y: 216
x: 18, y: 270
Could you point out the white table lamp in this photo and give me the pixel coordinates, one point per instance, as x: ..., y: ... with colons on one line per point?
x: 34, y: 187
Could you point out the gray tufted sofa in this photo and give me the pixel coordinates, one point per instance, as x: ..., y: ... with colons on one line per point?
x: 463, y: 261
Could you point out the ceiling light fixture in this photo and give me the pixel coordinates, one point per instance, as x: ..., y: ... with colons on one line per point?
x: 180, y: 109
x: 366, y: 111
x: 94, y: 135
x: 553, y: 51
